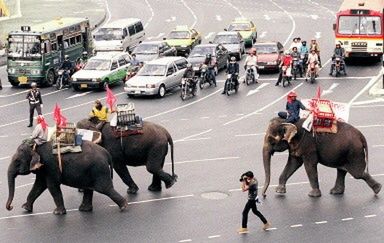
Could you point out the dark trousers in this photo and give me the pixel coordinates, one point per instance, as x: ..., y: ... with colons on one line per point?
x: 32, y: 108
x: 251, y: 204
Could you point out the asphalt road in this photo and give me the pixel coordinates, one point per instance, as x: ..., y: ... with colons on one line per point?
x: 217, y: 138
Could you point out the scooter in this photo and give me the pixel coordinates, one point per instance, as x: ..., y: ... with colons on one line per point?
x: 312, y: 72
x: 187, y: 88
x: 63, y: 79
x: 338, y: 66
x: 231, y: 84
x: 204, y: 76
x: 287, y: 75
x: 295, y: 67
x: 250, y: 76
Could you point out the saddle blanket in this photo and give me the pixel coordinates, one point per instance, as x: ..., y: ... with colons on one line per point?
x: 67, y: 149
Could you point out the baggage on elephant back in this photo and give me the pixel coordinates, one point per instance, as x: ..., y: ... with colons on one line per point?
x: 65, y: 139
x: 323, y: 116
x: 125, y: 122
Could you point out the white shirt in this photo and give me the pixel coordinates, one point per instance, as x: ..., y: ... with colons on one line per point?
x: 313, y: 58
x: 39, y: 135
x: 251, y: 60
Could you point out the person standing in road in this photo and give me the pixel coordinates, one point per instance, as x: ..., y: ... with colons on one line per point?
x: 35, y: 102
x: 249, y: 183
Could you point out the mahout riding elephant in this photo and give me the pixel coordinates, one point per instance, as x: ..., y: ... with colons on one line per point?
x: 147, y: 149
x: 346, y: 150
x: 90, y: 170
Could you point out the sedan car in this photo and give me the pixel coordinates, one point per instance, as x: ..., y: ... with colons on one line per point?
x: 219, y: 54
x: 246, y: 28
x: 151, y: 50
x: 269, y: 55
x: 104, y: 69
x: 183, y: 39
x: 157, y: 76
x: 232, y: 41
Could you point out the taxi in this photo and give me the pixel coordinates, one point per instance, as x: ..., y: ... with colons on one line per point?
x: 246, y: 28
x: 183, y: 39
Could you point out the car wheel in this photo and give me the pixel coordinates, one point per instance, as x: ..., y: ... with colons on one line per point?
x: 75, y: 87
x: 161, y: 92
x: 239, y: 56
x: 130, y: 96
x: 50, y: 79
x: 104, y: 84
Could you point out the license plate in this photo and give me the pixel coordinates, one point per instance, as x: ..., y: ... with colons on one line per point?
x: 83, y: 85
x: 261, y: 67
x: 23, y: 79
x: 137, y: 92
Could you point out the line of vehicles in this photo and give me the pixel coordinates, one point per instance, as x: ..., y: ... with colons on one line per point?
x: 36, y: 53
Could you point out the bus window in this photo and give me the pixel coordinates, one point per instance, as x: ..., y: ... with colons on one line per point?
x: 72, y: 41
x: 78, y: 39
x: 54, y: 46
x: 66, y: 44
x: 131, y: 30
x: 359, y: 25
x: 47, y: 46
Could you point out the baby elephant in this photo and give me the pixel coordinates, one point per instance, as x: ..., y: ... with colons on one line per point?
x: 90, y: 170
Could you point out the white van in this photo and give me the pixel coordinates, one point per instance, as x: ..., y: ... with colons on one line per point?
x: 119, y: 35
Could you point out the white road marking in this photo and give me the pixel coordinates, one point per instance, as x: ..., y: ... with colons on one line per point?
x: 321, y: 222
x: 330, y: 89
x: 223, y: 116
x: 187, y: 240
x: 249, y: 135
x: 184, y: 119
x: 263, y: 34
x: 193, y: 139
x: 152, y: 14
x: 25, y: 100
x: 218, y: 18
x: 204, y: 160
x: 239, y: 114
x: 193, y: 136
x: 13, y: 94
x: 209, y: 35
x: 266, y: 17
x: 288, y: 184
x: 159, y: 35
x: 34, y: 214
x: 270, y: 229
x: 25, y: 134
x: 214, y: 236
x: 347, y: 219
x: 204, y: 117
x: 78, y: 95
x: 370, y: 216
x: 296, y: 225
x: 261, y: 109
x: 369, y: 126
x: 367, y: 106
x: 377, y: 146
x: 172, y: 19
x: 318, y: 35
x: 366, y: 102
x: 191, y: 11
x: 156, y: 200
x: 254, y: 91
x: 235, y: 8
x: 314, y: 16
x: 25, y: 185
x: 4, y: 136
x: 292, y: 20
x: 6, y: 157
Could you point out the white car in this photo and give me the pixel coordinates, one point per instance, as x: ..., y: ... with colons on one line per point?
x: 157, y: 76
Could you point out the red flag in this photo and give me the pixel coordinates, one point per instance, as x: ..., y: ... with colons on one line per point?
x: 318, y: 93
x: 111, y: 98
x: 60, y: 120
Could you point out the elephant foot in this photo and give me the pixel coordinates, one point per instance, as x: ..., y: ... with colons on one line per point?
x: 315, y: 193
x: 132, y: 189
x: 281, y: 189
x: 85, y: 208
x: 171, y: 182
x: 27, y: 207
x: 154, y: 188
x: 60, y: 211
x: 124, y: 206
x: 337, y: 191
x: 376, y: 188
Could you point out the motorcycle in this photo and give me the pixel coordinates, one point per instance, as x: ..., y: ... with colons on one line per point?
x: 338, y: 66
x: 250, y: 75
x: 187, y: 88
x: 231, y: 84
x: 312, y: 72
x: 303, y: 61
x: 295, y: 67
x: 63, y: 79
x: 79, y: 65
x: 131, y: 72
x: 287, y: 76
x: 205, y: 77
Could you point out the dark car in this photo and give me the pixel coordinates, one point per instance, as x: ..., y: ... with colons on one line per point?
x: 150, y: 50
x: 219, y: 54
x: 269, y: 55
x: 232, y: 41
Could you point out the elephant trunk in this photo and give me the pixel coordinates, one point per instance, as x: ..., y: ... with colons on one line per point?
x: 267, y: 153
x: 11, y: 188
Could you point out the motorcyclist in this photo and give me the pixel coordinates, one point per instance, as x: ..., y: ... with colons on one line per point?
x: 304, y: 48
x: 315, y: 45
x: 251, y: 62
x: 313, y: 58
x: 67, y: 66
x: 285, y: 62
x: 296, y: 54
x: 84, y: 58
x: 189, y: 74
x: 295, y: 43
x: 338, y: 52
x: 211, y: 67
x: 233, y: 68
x: 134, y: 61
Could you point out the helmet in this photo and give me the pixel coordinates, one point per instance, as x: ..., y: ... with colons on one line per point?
x: 84, y: 54
x: 304, y: 42
x: 33, y: 84
x: 189, y: 65
x: 294, y: 48
x: 66, y: 57
x: 253, y: 51
x: 313, y: 39
x: 286, y: 52
x: 233, y: 59
x: 292, y: 94
x: 337, y: 43
x: 208, y: 55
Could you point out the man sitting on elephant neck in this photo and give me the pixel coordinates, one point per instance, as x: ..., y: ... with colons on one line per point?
x: 39, y: 136
x: 292, y: 115
x: 99, y: 112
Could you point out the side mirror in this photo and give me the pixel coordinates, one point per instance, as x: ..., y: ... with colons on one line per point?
x: 225, y: 29
x: 334, y: 26
x: 164, y: 38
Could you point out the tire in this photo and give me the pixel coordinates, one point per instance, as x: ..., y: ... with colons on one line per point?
x: 247, y: 79
x: 50, y: 79
x: 216, y: 70
x: 294, y: 75
x: 75, y: 87
x: 161, y: 92
x: 183, y: 94
x: 130, y: 96
x: 312, y: 78
x: 285, y: 82
x: 239, y: 56
x: 228, y: 88
x: 59, y: 83
x: 14, y: 84
x: 103, y: 85
x: 201, y: 83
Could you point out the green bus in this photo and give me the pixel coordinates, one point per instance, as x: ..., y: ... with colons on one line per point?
x: 35, y: 53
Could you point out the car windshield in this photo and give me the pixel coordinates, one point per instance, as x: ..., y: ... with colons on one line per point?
x: 109, y: 34
x: 266, y: 49
x: 359, y: 25
x: 226, y: 39
x: 239, y: 27
x: 146, y: 49
x: 152, y: 70
x: 24, y: 47
x: 97, y: 64
x: 202, y: 51
x: 179, y: 35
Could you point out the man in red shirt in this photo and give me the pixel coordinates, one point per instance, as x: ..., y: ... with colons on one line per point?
x: 285, y: 62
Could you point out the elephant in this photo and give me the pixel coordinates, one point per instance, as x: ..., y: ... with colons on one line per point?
x: 346, y: 150
x: 90, y: 170
x: 147, y: 149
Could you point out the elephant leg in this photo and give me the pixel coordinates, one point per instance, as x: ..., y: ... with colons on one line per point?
x: 123, y: 172
x: 157, y: 170
x: 292, y: 165
x: 340, y: 182
x: 358, y: 172
x: 57, y: 195
x: 156, y: 184
x: 310, y: 164
x: 86, y: 204
x: 38, y: 187
x: 109, y: 191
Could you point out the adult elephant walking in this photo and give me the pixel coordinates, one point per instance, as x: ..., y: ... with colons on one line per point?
x: 147, y: 149
x: 89, y: 170
x: 345, y: 150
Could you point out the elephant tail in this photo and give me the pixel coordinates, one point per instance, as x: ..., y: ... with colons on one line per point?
x: 365, y: 147
x: 110, y: 162
x: 170, y: 141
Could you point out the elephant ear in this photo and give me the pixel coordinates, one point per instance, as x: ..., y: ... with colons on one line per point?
x: 35, y: 162
x: 290, y: 131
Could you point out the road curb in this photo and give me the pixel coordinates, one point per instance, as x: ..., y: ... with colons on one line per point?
x: 377, y: 90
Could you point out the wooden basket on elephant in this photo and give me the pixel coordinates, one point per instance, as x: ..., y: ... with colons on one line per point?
x: 66, y: 135
x: 324, y: 115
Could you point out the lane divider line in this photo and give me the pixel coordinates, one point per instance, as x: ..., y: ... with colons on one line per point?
x: 152, y: 13
x: 191, y: 11
x: 347, y: 219
x: 292, y: 20
x: 156, y: 200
